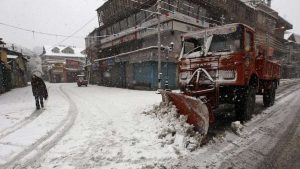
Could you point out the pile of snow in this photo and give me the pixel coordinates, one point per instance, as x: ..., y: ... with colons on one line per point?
x: 237, y: 127
x: 174, y: 129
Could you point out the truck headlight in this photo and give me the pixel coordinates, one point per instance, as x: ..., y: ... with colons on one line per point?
x: 227, y: 74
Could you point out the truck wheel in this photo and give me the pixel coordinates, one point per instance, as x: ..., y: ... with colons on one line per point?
x: 269, y: 96
x: 245, y: 107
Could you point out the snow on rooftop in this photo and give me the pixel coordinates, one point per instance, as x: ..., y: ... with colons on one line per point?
x: 19, y: 49
x: 62, y: 51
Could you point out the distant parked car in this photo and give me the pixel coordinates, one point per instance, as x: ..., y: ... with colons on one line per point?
x: 81, y: 80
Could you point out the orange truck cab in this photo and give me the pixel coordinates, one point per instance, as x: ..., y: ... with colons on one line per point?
x: 225, y: 65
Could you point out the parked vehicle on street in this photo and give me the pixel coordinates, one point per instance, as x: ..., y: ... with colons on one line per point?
x: 221, y: 65
x: 81, y: 80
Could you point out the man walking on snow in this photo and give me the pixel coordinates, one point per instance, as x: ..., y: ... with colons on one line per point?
x: 39, y: 91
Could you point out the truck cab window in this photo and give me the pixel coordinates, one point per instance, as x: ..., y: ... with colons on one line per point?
x: 226, y: 42
x: 192, y: 45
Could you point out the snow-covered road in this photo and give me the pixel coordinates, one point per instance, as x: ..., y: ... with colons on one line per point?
x: 261, y: 138
x: 100, y: 127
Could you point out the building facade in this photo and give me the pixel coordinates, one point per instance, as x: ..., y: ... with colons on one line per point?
x: 62, y: 63
x: 124, y: 52
x: 4, y: 69
x: 129, y: 58
x: 291, y: 62
x: 18, y: 65
x: 13, y: 68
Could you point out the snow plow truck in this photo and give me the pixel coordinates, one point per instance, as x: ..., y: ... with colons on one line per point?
x: 223, y: 65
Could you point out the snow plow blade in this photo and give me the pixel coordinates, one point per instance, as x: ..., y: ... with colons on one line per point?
x: 196, y: 111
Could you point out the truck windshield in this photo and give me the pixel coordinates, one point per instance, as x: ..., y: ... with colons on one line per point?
x: 226, y: 43
x: 231, y: 42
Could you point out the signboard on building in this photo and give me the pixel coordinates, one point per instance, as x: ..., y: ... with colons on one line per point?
x: 106, y: 63
x: 70, y: 63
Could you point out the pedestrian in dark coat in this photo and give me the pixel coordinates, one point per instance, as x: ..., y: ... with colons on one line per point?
x: 39, y: 91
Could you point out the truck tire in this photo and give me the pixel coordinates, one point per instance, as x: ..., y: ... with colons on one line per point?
x: 245, y: 107
x: 269, y: 96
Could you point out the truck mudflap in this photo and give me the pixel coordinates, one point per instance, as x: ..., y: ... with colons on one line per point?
x: 197, y: 112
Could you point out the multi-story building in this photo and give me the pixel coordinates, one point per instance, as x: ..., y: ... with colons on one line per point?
x: 4, y: 68
x: 124, y: 51
x: 18, y: 59
x: 291, y: 68
x: 58, y: 63
x: 13, y: 67
x: 129, y: 58
x: 18, y: 64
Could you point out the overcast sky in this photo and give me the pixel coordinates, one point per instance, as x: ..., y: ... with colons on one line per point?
x: 289, y: 10
x: 52, y: 16
x: 67, y: 16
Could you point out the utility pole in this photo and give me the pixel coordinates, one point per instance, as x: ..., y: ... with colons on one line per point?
x: 159, y: 44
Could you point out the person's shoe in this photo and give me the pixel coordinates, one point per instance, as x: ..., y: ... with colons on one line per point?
x: 38, y: 108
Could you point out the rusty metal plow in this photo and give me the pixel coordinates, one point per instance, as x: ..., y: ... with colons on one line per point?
x: 196, y: 111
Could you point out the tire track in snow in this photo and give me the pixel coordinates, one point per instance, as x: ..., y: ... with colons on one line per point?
x: 7, y: 131
x: 248, y: 153
x: 283, y: 153
x: 283, y: 90
x: 20, y: 124
x: 294, y: 87
x: 214, y: 155
x: 45, y: 143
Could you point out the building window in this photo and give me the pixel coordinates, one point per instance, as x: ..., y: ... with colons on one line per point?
x: 55, y: 50
x: 68, y: 50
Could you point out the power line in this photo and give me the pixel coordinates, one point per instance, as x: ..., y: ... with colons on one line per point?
x: 35, y: 32
x: 76, y: 31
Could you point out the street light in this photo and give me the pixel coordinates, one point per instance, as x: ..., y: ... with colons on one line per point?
x: 169, y: 49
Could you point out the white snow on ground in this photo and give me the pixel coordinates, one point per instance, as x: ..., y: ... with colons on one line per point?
x: 15, y: 105
x: 31, y: 126
x: 118, y: 128
x: 113, y: 128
